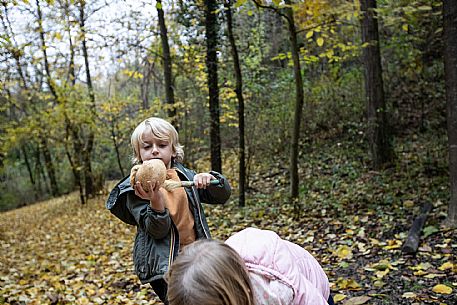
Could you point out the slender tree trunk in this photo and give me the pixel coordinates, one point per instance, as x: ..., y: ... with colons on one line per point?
x: 89, y: 144
x: 239, y: 95
x: 49, y: 167
x: 76, y: 175
x: 213, y: 88
x: 71, y: 67
x: 30, y: 172
x: 167, y: 66
x: 378, y: 135
x: 14, y: 51
x: 450, y: 74
x: 73, y: 134
x: 299, y: 101
x: 72, y: 131
x: 39, y: 172
x: 145, y: 83
x: 50, y: 82
x: 43, y: 143
x: 116, y: 147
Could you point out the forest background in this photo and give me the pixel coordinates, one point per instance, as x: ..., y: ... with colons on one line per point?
x: 330, y: 122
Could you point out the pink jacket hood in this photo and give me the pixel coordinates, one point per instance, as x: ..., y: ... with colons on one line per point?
x: 265, y: 253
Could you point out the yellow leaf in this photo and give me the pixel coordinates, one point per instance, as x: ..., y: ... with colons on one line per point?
x: 309, y: 34
x: 433, y: 275
x: 338, y: 297
x: 374, y: 242
x: 347, y: 284
x: 393, y: 244
x: 442, y: 289
x: 408, y: 203
x: 420, y: 273
x: 344, y: 252
x: 320, y: 41
x: 405, y: 27
x: 446, y: 265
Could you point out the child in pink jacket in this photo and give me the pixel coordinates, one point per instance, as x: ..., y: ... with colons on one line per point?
x: 252, y: 267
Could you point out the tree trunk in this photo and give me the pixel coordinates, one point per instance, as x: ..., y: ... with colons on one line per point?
x: 167, y: 66
x: 299, y: 101
x: 213, y: 89
x: 450, y: 74
x: 89, y: 144
x: 71, y: 67
x: 30, y: 172
x: 116, y: 147
x: 76, y: 174
x: 378, y: 135
x: 50, y: 82
x: 49, y: 167
x: 72, y: 131
x: 239, y: 95
x: 43, y: 143
x: 145, y: 84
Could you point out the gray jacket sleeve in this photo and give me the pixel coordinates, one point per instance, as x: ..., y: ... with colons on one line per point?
x: 156, y: 224
x: 216, y: 194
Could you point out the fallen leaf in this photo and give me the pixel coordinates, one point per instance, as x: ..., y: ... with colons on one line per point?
x: 344, y: 252
x: 408, y: 203
x: 442, y: 289
x: 393, y: 244
x: 433, y: 275
x: 347, y: 284
x: 408, y: 295
x: 357, y: 300
x: 446, y: 265
x: 338, y: 297
x: 429, y: 230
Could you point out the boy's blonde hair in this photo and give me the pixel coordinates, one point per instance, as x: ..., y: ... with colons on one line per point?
x: 160, y: 129
x: 209, y: 272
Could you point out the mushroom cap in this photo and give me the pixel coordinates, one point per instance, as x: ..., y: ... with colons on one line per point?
x: 152, y: 170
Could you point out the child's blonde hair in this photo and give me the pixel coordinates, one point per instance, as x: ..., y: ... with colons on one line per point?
x: 209, y: 272
x: 160, y: 129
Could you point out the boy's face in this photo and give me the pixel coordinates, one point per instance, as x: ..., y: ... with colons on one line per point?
x: 154, y: 148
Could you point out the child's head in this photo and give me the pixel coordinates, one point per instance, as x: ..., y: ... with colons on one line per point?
x: 159, y: 130
x: 209, y: 272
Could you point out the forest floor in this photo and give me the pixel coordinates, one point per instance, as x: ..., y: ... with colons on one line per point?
x: 353, y: 220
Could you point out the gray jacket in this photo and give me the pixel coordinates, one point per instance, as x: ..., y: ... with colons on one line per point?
x: 157, y: 239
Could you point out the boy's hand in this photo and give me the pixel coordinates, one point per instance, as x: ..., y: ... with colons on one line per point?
x: 154, y: 195
x: 133, y: 175
x: 202, y: 180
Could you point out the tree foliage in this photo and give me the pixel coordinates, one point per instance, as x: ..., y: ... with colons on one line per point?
x: 49, y: 117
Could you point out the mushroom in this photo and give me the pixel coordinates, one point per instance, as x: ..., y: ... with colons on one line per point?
x: 152, y: 170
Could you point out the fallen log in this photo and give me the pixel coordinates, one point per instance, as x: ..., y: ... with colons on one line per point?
x: 412, y: 241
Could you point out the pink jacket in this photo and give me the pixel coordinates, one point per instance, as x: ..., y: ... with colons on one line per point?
x: 283, y: 262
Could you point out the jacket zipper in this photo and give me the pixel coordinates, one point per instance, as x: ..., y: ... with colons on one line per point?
x: 172, y: 245
x: 197, y: 202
